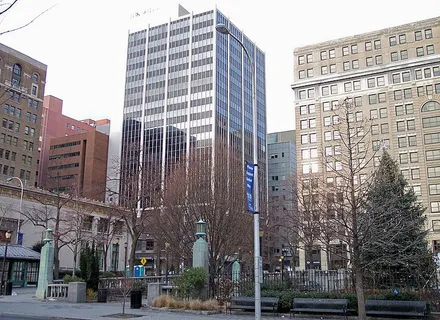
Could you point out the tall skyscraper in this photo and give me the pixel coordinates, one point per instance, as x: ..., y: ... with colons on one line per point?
x: 392, y: 76
x: 22, y: 82
x: 188, y: 88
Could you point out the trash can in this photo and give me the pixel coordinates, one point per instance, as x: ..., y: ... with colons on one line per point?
x: 102, y: 295
x: 136, y: 299
x: 8, y: 288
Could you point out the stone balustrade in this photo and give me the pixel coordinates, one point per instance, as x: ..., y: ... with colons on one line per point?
x: 57, y: 291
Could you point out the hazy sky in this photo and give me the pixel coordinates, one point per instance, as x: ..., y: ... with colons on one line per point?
x: 84, y: 42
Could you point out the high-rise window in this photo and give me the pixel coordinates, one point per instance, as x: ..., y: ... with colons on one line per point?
x: 403, y: 54
x: 368, y: 46
x: 402, y: 38
x: 393, y: 41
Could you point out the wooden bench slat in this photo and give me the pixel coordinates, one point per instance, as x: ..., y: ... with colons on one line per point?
x: 399, y: 308
x: 312, y: 305
x: 248, y: 303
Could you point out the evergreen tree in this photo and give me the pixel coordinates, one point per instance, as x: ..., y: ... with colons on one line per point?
x: 89, y: 265
x: 397, y: 247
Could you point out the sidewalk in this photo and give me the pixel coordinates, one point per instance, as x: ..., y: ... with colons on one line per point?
x: 24, y: 303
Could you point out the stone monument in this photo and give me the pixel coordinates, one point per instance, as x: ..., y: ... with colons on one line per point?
x: 200, y: 248
x: 236, y: 268
x: 45, y: 275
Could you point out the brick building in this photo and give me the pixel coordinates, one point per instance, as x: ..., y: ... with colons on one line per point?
x: 78, y: 163
x: 22, y: 82
x: 55, y: 124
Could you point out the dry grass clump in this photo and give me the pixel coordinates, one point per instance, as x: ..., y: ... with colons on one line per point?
x: 163, y: 301
x: 166, y: 301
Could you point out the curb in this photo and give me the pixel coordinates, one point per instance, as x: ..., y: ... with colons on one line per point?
x: 197, y: 312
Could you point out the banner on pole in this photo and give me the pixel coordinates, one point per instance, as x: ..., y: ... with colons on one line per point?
x: 250, y: 185
x: 20, y: 239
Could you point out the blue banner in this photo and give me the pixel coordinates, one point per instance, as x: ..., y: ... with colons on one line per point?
x: 20, y: 239
x: 250, y: 185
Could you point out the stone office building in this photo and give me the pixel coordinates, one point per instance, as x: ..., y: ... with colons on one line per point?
x: 393, y: 78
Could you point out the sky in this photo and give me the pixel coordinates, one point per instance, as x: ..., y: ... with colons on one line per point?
x: 84, y: 42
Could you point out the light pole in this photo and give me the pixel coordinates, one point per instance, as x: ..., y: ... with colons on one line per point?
x: 21, y: 202
x: 8, y: 235
x: 125, y: 259
x: 167, y: 245
x: 223, y: 29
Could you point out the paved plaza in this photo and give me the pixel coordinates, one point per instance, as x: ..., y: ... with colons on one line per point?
x: 28, y: 307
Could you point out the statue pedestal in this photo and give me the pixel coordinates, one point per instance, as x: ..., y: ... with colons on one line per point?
x: 45, y: 274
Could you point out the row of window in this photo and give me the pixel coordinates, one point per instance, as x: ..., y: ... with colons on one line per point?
x: 64, y: 155
x: 372, y: 98
x: 13, y: 141
x: 7, y: 154
x: 65, y: 145
x: 64, y: 166
x: 369, y: 62
x: 369, y: 45
x: 404, y: 158
x: 418, y: 36
x: 402, y: 125
x: 431, y: 138
x: 400, y: 110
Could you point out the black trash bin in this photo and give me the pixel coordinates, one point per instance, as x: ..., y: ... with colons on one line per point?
x: 8, y: 289
x: 102, y: 295
x: 136, y: 299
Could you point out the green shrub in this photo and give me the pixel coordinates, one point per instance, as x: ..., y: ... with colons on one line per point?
x: 68, y: 278
x: 286, y: 297
x: 404, y: 295
x: 106, y: 274
x: 191, y: 283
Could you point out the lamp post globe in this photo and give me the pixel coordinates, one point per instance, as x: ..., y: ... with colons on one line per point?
x: 222, y: 28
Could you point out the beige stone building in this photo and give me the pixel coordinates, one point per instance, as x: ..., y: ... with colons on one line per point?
x: 393, y: 78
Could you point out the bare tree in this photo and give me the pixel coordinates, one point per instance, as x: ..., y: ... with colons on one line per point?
x: 107, y: 231
x: 200, y: 188
x: 47, y: 212
x: 330, y: 213
x: 138, y: 194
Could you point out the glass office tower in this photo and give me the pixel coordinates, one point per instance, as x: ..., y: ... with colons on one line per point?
x: 188, y: 88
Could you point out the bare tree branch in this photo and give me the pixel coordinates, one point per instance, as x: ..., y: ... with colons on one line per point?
x: 27, y: 24
x: 10, y: 6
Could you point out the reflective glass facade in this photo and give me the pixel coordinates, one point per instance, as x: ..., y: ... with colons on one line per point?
x: 186, y: 87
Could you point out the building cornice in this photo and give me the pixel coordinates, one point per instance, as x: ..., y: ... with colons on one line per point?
x: 428, y: 23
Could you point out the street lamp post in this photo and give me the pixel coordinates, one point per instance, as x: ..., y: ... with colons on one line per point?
x: 167, y: 246
x: 223, y: 29
x: 21, y: 202
x: 8, y: 235
x: 125, y: 259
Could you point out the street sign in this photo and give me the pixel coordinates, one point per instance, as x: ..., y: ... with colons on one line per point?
x: 143, y: 261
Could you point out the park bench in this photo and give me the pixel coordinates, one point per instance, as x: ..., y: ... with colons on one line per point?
x: 395, y: 308
x: 269, y: 304
x: 319, y: 306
